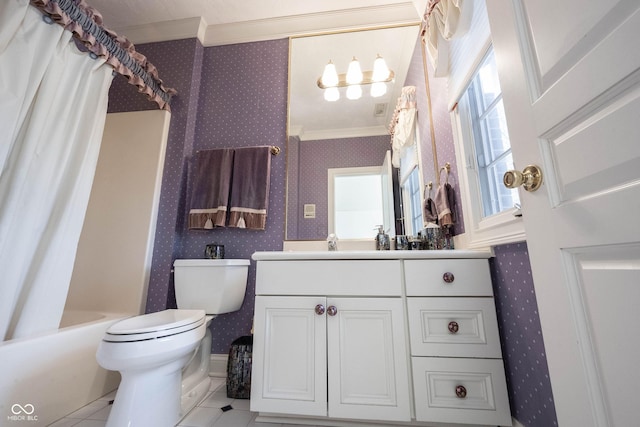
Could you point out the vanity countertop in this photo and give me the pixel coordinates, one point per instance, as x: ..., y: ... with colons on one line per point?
x: 337, y: 255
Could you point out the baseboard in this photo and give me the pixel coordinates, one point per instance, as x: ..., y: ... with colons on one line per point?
x: 516, y: 423
x: 218, y: 365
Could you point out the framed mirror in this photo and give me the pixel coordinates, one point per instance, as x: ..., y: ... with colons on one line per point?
x: 344, y: 133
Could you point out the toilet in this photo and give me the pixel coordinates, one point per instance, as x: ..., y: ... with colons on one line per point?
x: 163, y: 357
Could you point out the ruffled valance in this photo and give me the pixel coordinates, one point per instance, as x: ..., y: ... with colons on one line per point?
x: 85, y: 23
x: 441, y: 22
x: 402, y: 126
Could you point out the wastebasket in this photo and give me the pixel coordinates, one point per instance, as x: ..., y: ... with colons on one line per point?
x: 239, y: 368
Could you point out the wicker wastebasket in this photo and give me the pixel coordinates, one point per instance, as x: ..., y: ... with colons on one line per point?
x: 239, y: 368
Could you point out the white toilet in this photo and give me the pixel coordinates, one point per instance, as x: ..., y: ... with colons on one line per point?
x: 152, y: 350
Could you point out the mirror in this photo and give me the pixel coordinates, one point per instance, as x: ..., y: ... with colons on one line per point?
x: 341, y: 134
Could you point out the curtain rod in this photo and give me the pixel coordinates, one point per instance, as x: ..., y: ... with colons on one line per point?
x: 85, y: 23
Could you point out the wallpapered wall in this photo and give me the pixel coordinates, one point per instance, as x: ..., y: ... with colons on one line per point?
x: 523, y: 351
x: 443, y: 134
x: 314, y: 158
x: 231, y: 96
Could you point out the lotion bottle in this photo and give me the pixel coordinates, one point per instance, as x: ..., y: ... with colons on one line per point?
x: 382, y: 240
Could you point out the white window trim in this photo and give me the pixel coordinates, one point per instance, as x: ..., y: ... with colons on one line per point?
x: 480, y: 232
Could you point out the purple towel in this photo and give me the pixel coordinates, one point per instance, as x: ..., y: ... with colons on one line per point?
x: 211, y: 187
x: 250, y: 187
x: 446, y: 205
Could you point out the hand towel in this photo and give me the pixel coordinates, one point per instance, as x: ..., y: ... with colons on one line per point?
x: 445, y: 205
x: 211, y: 187
x: 250, y: 187
x: 430, y: 211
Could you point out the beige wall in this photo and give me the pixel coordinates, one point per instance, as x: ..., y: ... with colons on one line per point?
x: 113, y: 262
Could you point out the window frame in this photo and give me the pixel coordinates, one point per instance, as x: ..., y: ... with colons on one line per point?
x: 480, y: 231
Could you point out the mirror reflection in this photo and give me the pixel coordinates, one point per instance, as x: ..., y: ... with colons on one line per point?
x: 342, y: 133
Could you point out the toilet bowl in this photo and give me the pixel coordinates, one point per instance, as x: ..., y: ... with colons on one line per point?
x: 164, y: 357
x: 150, y: 352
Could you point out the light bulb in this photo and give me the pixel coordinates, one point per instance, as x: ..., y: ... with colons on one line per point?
x: 354, y: 72
x: 330, y: 75
x: 380, y: 70
x: 354, y: 92
x: 331, y: 94
x: 378, y: 89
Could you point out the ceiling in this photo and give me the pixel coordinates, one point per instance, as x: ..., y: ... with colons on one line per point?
x: 234, y: 21
x: 219, y: 22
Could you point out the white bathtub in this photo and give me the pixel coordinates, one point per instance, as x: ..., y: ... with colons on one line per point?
x: 51, y: 375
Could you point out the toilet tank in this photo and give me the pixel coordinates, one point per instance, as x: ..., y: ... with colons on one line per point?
x: 214, y: 285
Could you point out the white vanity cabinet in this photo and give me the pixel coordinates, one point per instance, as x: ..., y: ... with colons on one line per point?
x: 392, y: 336
x: 330, y: 340
x: 458, y: 373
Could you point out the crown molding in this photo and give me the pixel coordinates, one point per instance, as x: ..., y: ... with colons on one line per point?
x: 342, y: 133
x: 274, y: 28
x: 164, y: 31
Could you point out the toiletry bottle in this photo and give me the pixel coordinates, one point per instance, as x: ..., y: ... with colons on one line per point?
x: 382, y: 240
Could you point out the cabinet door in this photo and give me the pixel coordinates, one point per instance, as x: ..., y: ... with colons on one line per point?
x: 367, y: 359
x: 289, y: 356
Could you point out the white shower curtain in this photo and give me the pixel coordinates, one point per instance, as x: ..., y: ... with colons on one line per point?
x: 53, y: 102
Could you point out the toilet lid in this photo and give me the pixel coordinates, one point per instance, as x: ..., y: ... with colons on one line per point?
x: 155, y: 325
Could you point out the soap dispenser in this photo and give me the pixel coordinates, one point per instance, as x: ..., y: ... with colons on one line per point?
x: 382, y: 240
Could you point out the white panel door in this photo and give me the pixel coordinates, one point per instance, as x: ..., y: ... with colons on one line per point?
x: 289, y: 367
x: 570, y: 74
x: 367, y: 359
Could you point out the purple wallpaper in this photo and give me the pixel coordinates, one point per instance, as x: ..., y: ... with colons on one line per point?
x: 523, y: 351
x: 314, y: 158
x: 207, y: 114
x: 236, y: 95
x: 445, y: 148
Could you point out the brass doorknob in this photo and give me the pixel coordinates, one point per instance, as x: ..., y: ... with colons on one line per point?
x: 530, y: 178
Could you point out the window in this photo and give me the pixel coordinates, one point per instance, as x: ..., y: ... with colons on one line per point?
x: 491, y: 138
x: 484, y: 148
x: 413, y: 203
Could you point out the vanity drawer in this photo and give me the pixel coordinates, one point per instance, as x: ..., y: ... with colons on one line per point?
x: 454, y: 327
x: 470, y: 391
x: 329, y: 277
x: 448, y: 277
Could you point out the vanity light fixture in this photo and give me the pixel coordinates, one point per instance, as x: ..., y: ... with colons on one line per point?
x: 354, y: 78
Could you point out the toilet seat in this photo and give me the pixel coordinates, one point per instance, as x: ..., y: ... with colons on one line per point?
x: 154, y: 325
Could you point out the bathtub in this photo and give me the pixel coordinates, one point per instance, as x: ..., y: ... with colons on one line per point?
x: 48, y: 376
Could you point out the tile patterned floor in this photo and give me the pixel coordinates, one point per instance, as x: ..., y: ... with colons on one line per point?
x: 206, y: 414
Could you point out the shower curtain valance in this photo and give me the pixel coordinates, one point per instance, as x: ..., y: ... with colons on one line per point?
x: 85, y: 23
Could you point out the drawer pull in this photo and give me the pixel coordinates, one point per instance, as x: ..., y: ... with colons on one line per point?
x: 332, y: 310
x: 453, y: 327
x: 319, y: 309
x: 448, y: 277
x: 461, y: 392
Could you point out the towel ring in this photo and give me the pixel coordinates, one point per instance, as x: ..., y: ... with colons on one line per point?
x: 447, y: 169
x: 429, y: 186
x: 275, y: 150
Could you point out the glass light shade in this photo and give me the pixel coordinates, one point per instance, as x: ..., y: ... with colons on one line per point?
x: 354, y: 92
x: 380, y: 70
x: 354, y: 72
x: 331, y: 94
x: 378, y: 89
x: 330, y: 75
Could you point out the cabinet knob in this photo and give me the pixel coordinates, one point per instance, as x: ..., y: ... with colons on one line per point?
x: 448, y: 277
x: 319, y: 309
x: 461, y: 392
x: 332, y: 310
x: 453, y: 327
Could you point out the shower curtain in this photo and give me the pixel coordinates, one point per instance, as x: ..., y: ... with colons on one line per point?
x: 53, y: 106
